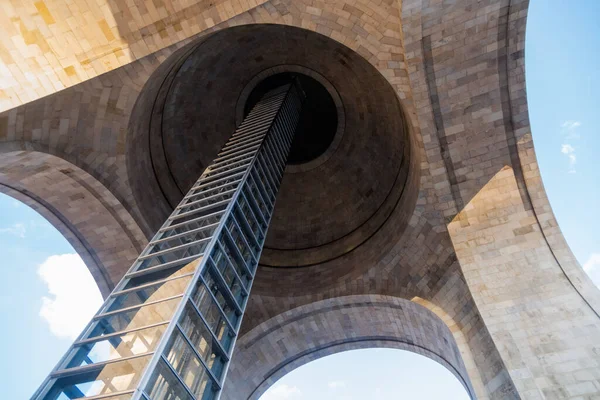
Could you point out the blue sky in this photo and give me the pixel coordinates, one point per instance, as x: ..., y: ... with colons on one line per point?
x: 562, y: 60
x: 41, y: 316
x: 42, y: 313
x: 369, y: 374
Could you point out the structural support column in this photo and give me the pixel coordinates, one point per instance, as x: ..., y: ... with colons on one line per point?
x: 168, y: 329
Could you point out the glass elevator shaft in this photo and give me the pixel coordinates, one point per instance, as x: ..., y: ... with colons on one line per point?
x: 168, y: 329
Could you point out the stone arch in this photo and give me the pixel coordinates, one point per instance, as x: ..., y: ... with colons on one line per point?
x: 303, y: 334
x: 461, y: 341
x: 85, y: 212
x: 523, y: 278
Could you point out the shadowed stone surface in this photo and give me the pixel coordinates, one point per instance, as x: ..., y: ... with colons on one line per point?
x: 334, y: 207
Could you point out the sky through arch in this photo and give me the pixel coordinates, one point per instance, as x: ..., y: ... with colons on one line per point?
x: 42, y: 310
x: 562, y: 63
x: 369, y: 374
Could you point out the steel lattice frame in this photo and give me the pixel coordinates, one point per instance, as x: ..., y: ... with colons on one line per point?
x: 168, y: 329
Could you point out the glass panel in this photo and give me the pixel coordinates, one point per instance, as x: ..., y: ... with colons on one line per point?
x: 116, y: 397
x: 219, y: 292
x: 230, y: 276
x: 256, y: 208
x: 200, y: 213
x: 188, y: 365
x: 205, y: 186
x: 128, y: 396
x: 213, y: 316
x: 155, y: 292
x: 202, y: 340
x: 276, y: 142
x: 209, y: 198
x: 260, y: 196
x: 235, y: 258
x: 245, y: 212
x: 112, y: 378
x: 172, y: 272
x: 251, y: 193
x: 244, y: 224
x: 270, y: 161
x: 241, y: 243
x: 127, y: 345
x: 266, y: 181
x: 201, y: 236
x: 178, y: 236
x: 201, y: 223
x: 173, y: 254
x: 136, y: 318
x: 240, y: 158
x: 231, y: 280
x: 164, y: 385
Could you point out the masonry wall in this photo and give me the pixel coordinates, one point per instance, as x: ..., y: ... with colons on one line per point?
x: 307, y: 333
x: 473, y: 240
x: 540, y: 309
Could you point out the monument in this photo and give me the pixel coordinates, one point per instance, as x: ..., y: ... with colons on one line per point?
x: 342, y: 174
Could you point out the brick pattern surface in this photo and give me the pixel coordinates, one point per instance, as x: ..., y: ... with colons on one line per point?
x: 49, y: 45
x: 472, y: 238
x: 467, y: 67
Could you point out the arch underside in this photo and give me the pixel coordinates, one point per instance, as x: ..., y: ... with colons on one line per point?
x: 299, y: 336
x: 100, y: 230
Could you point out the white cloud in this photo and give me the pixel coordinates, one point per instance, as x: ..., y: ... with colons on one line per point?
x: 569, y: 151
x: 281, y: 392
x: 17, y: 229
x: 592, y: 267
x: 336, y: 384
x: 569, y: 127
x: 569, y: 131
x: 73, y: 295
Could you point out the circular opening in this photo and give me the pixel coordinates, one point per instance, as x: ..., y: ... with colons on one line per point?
x: 318, y: 120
